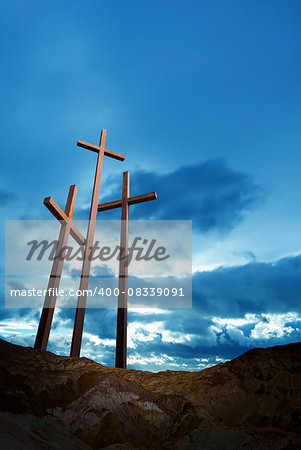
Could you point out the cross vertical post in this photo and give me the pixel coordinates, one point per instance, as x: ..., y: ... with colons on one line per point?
x: 121, y: 332
x: 46, y: 318
x: 84, y: 281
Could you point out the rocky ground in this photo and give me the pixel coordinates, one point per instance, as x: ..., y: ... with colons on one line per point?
x: 56, y: 402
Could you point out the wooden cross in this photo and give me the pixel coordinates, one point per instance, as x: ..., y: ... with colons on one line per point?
x: 84, y: 281
x: 67, y: 227
x: 124, y: 202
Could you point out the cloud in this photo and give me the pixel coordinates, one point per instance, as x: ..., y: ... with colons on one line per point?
x: 183, y: 342
x: 275, y: 325
x: 212, y: 195
x: 256, y: 287
x: 234, y: 309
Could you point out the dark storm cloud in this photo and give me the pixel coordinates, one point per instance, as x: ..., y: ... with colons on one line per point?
x: 211, y: 194
x: 253, y: 288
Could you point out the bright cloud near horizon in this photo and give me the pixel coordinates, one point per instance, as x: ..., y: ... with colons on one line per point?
x: 204, y: 101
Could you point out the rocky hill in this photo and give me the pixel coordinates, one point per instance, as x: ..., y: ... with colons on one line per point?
x: 56, y: 402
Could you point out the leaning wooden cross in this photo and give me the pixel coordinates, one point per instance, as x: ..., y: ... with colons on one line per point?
x: 84, y: 281
x: 124, y: 202
x: 67, y: 227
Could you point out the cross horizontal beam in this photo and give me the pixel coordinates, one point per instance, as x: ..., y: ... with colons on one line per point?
x: 142, y: 198
x: 60, y: 215
x: 96, y: 148
x: 131, y: 201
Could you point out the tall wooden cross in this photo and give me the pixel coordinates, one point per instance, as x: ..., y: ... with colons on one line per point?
x: 67, y: 227
x: 124, y: 202
x: 84, y: 281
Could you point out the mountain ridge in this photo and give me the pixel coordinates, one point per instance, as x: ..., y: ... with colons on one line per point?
x: 51, y: 401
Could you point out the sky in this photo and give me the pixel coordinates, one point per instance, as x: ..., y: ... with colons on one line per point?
x: 203, y: 98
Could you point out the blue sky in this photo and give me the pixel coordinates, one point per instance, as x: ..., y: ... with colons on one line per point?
x: 203, y: 98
